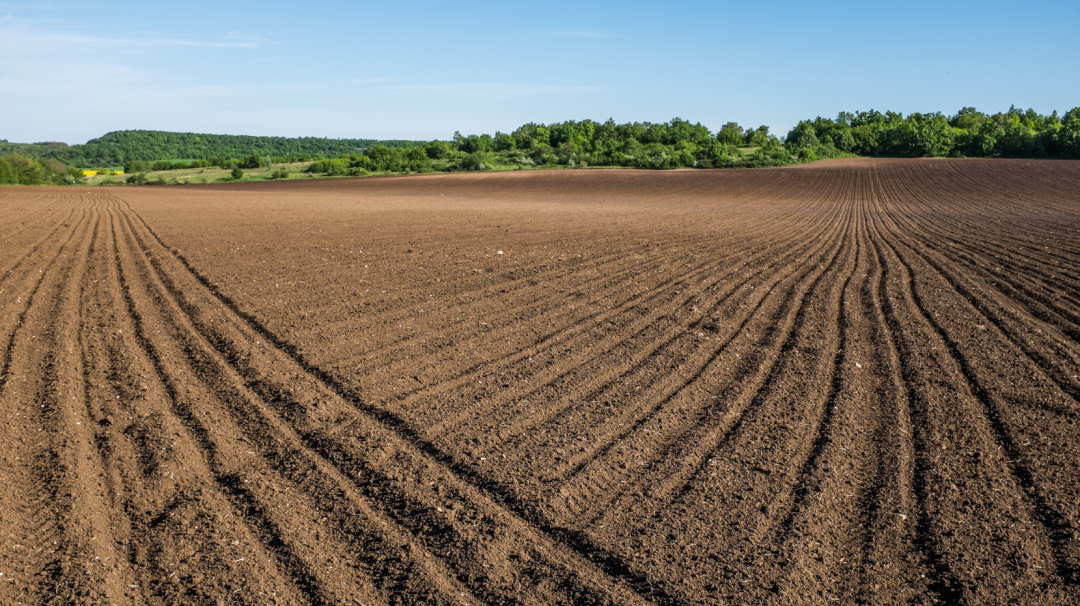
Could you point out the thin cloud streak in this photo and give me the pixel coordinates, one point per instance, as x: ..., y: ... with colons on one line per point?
x: 29, y: 40
x: 491, y: 89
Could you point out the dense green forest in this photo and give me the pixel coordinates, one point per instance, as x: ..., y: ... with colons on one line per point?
x: 21, y: 169
x: 681, y: 144
x: 34, y: 150
x: 967, y: 134
x: 120, y: 147
x: 675, y: 144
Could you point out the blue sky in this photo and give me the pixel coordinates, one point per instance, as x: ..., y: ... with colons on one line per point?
x: 71, y: 71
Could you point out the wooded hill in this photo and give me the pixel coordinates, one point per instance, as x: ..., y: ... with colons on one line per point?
x: 675, y: 144
x: 117, y: 148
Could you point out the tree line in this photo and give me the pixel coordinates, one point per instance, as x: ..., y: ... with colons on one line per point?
x: 967, y: 134
x: 119, y: 147
x: 681, y: 144
x: 674, y: 144
x: 21, y: 169
x: 249, y: 161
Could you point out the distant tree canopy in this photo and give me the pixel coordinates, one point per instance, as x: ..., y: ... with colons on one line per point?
x: 20, y: 169
x: 968, y: 133
x: 674, y: 144
x: 678, y: 143
x: 120, y: 147
x: 379, y: 158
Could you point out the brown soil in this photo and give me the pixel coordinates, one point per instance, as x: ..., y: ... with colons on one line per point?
x: 854, y: 381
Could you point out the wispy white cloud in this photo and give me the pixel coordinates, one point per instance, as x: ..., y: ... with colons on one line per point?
x: 18, y: 38
x: 35, y: 37
x: 491, y: 89
x: 244, y: 37
x: 100, y: 84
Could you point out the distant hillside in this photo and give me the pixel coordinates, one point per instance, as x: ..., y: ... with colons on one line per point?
x: 35, y: 150
x: 116, y: 148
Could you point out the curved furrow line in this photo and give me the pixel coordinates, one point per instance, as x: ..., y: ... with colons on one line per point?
x: 27, y: 521
x: 1055, y: 195
x: 1060, y: 526
x: 997, y: 313
x: 579, y: 326
x: 1033, y: 325
x: 47, y: 476
x: 962, y: 236
x: 17, y: 223
x: 567, y: 271
x: 336, y: 381
x: 808, y: 459
x: 467, y: 302
x: 345, y: 452
x: 1012, y: 238
x: 173, y: 527
x: 279, y: 461
x: 890, y: 537
x: 657, y: 301
x: 32, y: 221
x: 14, y: 313
x: 50, y: 237
x: 618, y: 286
x: 610, y: 285
x: 90, y: 463
x: 988, y: 467
x: 324, y: 366
x: 963, y: 189
x: 499, y: 406
x: 1051, y: 300
x: 524, y: 503
x: 1038, y: 273
x: 846, y: 533
x: 913, y: 420
x: 1044, y: 295
x: 656, y: 398
x: 674, y: 463
x: 1047, y: 260
x: 181, y: 370
x: 24, y: 209
x: 662, y: 504
x: 295, y: 462
x: 964, y: 232
x: 447, y: 384
x: 967, y: 233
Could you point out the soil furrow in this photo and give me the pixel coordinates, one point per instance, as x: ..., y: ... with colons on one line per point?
x: 670, y: 322
x: 1059, y: 525
x: 851, y: 381
x: 333, y: 449
x: 954, y: 445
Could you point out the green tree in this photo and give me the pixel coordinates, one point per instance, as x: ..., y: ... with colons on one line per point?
x: 504, y: 142
x: 731, y: 134
x: 20, y: 169
x: 438, y: 150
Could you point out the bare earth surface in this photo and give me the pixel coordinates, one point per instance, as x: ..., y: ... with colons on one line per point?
x: 853, y: 381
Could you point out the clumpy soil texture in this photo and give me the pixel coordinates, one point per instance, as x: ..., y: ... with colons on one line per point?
x: 853, y: 382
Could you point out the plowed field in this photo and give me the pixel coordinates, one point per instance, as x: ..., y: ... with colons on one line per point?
x: 853, y: 381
